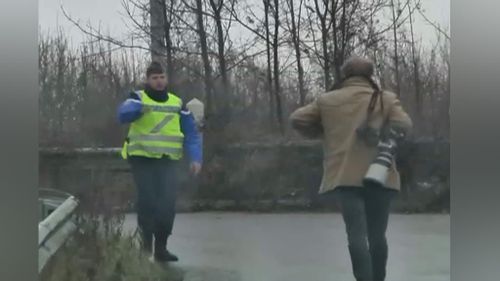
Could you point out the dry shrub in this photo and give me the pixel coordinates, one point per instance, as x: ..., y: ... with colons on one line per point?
x: 102, y: 250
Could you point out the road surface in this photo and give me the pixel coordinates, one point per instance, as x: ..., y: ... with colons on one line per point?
x: 297, y: 247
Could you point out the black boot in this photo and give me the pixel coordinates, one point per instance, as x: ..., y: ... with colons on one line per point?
x: 161, y: 254
x: 165, y: 256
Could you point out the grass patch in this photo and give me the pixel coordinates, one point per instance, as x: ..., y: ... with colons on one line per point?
x: 100, y: 250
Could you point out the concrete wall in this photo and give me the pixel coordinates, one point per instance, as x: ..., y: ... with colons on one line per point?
x: 247, y: 176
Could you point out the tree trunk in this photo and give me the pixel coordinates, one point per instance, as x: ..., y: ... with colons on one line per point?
x: 277, y: 87
x: 61, y: 98
x: 324, y: 44
x: 296, y: 44
x: 326, y: 55
x: 156, y: 29
x: 339, y: 45
x: 222, y: 56
x: 435, y: 107
x: 223, y: 98
x: 268, y: 55
x: 206, y: 61
x: 416, y: 74
x: 396, y: 55
x: 167, y: 20
x: 134, y: 67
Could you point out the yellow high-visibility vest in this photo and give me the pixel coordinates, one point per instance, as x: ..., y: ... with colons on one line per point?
x: 157, y: 132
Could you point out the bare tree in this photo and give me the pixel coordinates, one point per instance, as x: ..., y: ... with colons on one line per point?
x: 168, y: 18
x: 396, y: 55
x: 321, y: 10
x: 272, y: 99
x: 416, y: 73
x: 344, y: 16
x: 157, y: 24
x: 275, y: 45
x: 258, y: 76
x: 205, y: 57
x: 436, y: 26
x: 224, y: 96
x: 217, y: 6
x: 262, y: 30
x: 294, y: 30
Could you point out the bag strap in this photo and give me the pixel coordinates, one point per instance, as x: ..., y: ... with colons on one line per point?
x: 377, y: 94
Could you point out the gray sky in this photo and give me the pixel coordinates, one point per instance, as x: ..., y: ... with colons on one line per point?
x: 109, y: 14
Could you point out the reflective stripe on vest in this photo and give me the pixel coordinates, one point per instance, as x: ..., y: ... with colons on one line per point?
x: 153, y: 149
x: 161, y: 108
x: 156, y: 138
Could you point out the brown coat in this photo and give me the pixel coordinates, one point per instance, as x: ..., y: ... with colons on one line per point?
x: 334, y: 117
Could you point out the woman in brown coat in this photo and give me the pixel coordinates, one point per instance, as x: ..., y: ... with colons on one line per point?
x: 335, y: 117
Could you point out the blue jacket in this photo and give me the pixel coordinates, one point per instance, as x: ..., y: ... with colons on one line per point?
x: 130, y: 110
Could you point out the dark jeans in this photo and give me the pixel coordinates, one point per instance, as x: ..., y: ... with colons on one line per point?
x: 156, y: 184
x: 365, y: 212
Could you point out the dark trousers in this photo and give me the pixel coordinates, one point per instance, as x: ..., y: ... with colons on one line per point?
x: 156, y: 184
x: 365, y: 212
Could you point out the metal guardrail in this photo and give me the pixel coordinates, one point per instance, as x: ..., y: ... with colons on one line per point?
x: 56, y: 225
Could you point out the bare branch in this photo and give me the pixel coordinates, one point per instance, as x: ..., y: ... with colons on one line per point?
x: 243, y: 59
x: 436, y: 26
x: 253, y: 30
x: 92, y: 32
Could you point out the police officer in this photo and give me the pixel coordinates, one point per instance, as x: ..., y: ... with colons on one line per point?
x: 161, y: 129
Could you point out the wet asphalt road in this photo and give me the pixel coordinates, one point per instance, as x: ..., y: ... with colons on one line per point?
x: 296, y: 247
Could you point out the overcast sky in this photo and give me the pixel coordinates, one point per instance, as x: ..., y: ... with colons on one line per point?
x: 109, y: 14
